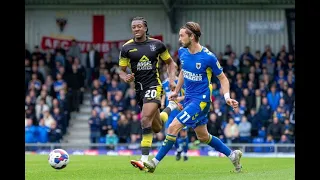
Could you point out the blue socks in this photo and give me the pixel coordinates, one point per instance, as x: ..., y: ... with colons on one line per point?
x: 166, y: 146
x: 218, y: 145
x: 170, y: 140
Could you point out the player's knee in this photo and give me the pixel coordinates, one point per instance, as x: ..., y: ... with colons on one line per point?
x: 156, y: 128
x: 203, y: 139
x: 146, y: 122
x: 157, y: 125
x: 173, y: 129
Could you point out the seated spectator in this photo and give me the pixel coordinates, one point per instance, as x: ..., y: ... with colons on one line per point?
x: 245, y: 130
x: 231, y: 132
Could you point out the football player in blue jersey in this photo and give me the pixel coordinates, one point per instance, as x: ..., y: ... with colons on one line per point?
x: 198, y: 66
x: 171, y: 110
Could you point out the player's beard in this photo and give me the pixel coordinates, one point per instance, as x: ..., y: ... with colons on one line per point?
x: 187, y: 44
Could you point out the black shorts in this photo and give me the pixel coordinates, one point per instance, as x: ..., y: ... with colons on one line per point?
x: 150, y: 94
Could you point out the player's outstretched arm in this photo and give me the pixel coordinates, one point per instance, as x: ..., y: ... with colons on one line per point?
x: 225, y: 86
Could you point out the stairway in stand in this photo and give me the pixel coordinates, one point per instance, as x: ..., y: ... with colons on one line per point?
x: 78, y: 132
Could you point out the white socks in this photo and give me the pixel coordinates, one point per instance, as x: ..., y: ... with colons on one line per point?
x: 172, y: 105
x: 183, y: 154
x: 156, y: 162
x: 232, y: 156
x: 144, y: 158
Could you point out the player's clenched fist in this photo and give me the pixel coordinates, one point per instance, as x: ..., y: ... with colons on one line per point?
x: 173, y: 96
x: 233, y: 103
x: 129, y: 77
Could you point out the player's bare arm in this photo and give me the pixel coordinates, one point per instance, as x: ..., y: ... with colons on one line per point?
x: 225, y: 86
x: 163, y: 99
x: 180, y: 98
x: 175, y: 93
x: 172, y: 72
x: 124, y: 75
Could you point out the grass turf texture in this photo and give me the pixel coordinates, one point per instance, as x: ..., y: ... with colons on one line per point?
x: 119, y: 167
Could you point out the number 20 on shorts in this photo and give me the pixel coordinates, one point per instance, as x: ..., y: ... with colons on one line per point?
x: 151, y: 93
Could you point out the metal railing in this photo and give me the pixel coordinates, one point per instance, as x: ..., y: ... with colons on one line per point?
x: 246, y: 148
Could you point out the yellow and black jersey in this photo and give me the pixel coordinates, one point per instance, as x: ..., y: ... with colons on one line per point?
x: 143, y: 59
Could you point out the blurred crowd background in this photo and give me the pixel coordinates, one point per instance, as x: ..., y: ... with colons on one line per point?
x: 261, y: 80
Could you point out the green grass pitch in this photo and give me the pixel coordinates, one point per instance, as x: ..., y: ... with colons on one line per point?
x: 197, y: 168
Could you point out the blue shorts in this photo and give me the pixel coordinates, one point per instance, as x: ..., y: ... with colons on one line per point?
x: 194, y: 114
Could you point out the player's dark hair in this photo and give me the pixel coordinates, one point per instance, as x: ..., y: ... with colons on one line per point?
x: 143, y: 20
x: 192, y: 28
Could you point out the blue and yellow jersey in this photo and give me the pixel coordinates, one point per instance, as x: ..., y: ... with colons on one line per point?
x: 197, y: 70
x: 166, y: 88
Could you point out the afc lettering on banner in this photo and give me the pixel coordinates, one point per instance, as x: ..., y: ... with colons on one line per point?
x: 52, y: 43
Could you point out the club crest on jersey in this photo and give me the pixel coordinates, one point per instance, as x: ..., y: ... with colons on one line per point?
x: 152, y: 47
x: 198, y: 65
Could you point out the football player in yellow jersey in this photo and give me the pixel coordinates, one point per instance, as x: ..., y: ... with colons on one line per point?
x: 141, y: 56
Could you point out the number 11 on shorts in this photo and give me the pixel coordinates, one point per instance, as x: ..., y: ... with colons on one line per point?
x: 185, y: 117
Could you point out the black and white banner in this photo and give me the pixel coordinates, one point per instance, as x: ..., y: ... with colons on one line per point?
x: 291, y: 16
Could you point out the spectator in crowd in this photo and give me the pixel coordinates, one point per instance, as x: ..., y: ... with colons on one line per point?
x: 94, y: 123
x: 75, y: 83
x: 284, y: 140
x: 104, y: 125
x: 269, y: 140
x: 246, y: 55
x: 214, y: 126
x: 265, y: 111
x: 135, y: 129
x: 40, y: 107
x: 231, y: 131
x: 288, y: 130
x: 244, y: 130
x: 275, y: 129
x: 256, y: 123
x: 54, y: 134
x: 74, y: 50
x: 47, y: 117
x: 92, y: 64
x: 60, y: 49
x: 30, y: 133
x: 43, y: 132
x: 123, y: 129
x: 111, y: 139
